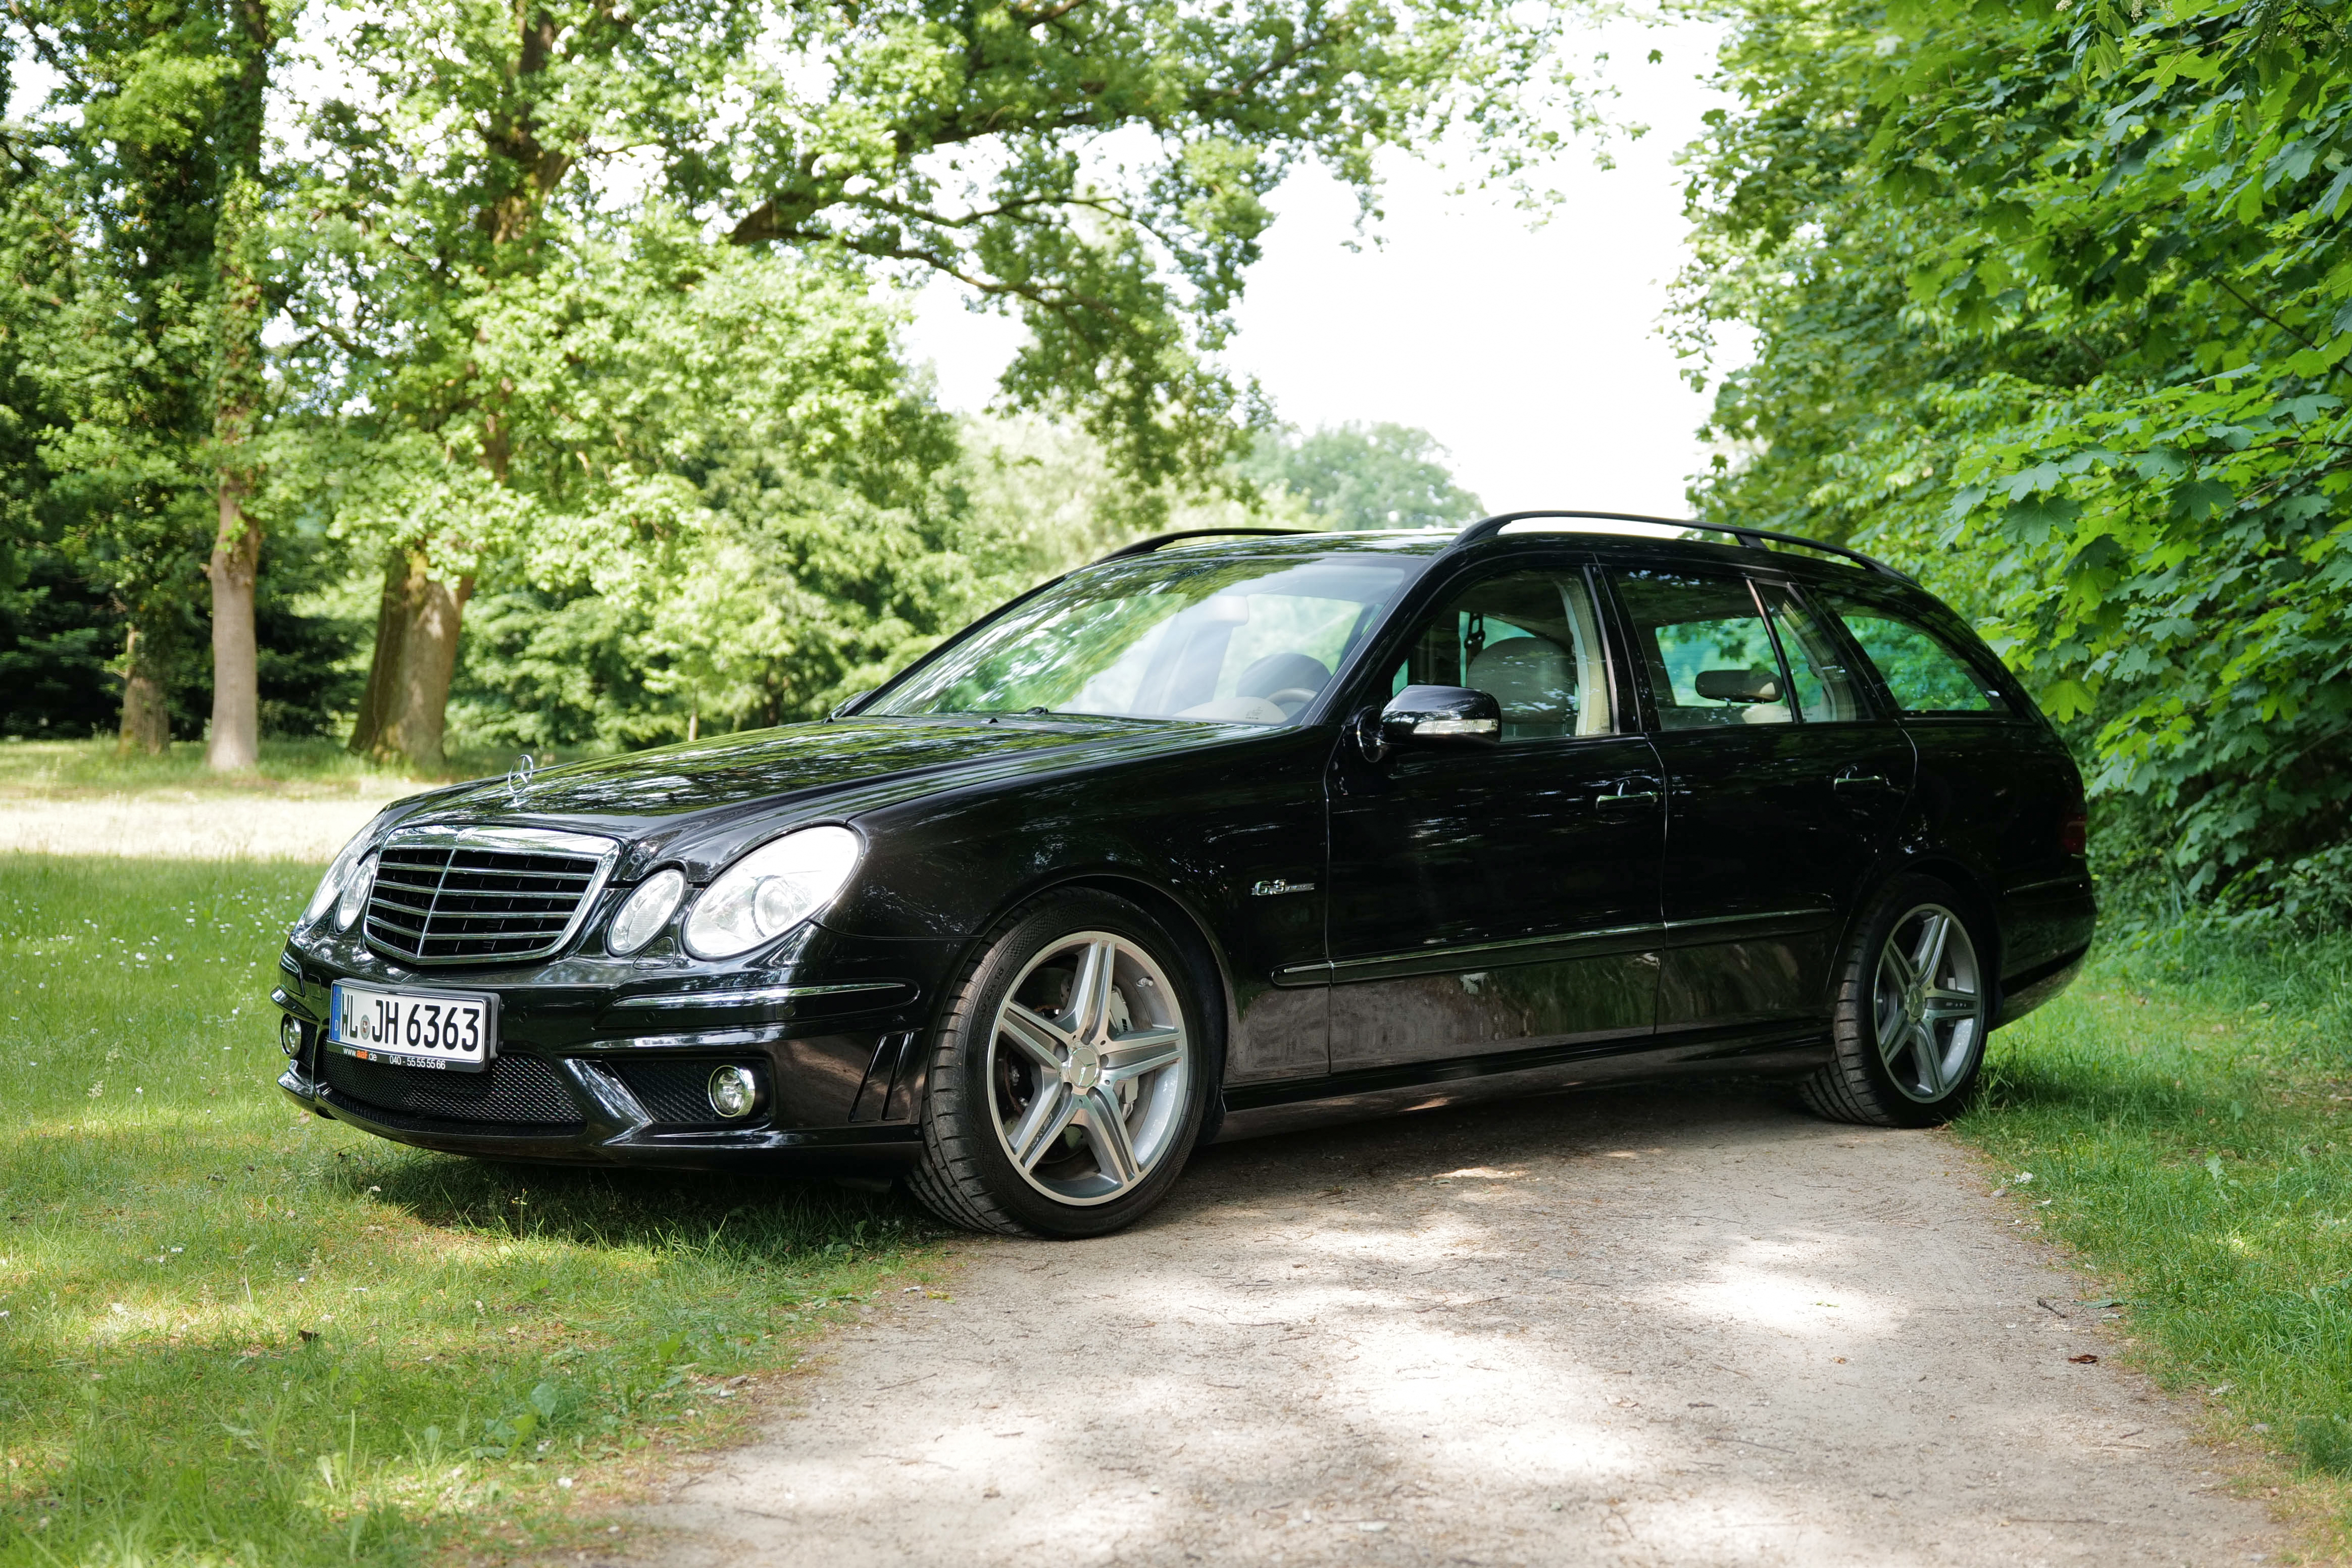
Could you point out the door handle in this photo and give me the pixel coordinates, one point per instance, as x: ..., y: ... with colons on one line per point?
x: 1859, y: 781
x: 1627, y: 800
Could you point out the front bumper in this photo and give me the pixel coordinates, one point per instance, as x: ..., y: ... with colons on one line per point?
x: 591, y: 1071
x: 618, y: 1132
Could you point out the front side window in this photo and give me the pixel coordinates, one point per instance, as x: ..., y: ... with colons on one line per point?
x: 1704, y: 646
x: 1922, y: 672
x: 1233, y: 640
x: 1530, y: 640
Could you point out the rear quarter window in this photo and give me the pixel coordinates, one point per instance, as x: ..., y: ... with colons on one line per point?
x: 1922, y: 671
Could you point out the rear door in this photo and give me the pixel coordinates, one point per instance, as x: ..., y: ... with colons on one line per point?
x: 1784, y: 787
x: 1994, y: 788
x: 1498, y: 898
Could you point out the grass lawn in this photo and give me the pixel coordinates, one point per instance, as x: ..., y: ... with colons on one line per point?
x: 54, y: 769
x: 2186, y: 1117
x: 231, y: 1332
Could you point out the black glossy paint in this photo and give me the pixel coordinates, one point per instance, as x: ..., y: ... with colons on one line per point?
x: 1444, y: 921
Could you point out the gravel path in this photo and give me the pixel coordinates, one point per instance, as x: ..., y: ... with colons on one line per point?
x: 1675, y: 1327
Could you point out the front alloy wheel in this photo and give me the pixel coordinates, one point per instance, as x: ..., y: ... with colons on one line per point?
x: 1087, y: 1067
x: 1913, y: 1009
x: 1071, y: 1074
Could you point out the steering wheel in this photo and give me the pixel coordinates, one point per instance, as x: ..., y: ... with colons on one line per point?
x: 1289, y: 699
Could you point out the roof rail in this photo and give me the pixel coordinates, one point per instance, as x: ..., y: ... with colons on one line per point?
x: 1145, y: 547
x: 1488, y: 527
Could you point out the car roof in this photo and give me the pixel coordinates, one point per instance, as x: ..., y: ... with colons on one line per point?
x: 1605, y: 538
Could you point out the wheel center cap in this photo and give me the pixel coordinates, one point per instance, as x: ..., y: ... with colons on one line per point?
x: 1914, y: 1007
x: 1083, y: 1071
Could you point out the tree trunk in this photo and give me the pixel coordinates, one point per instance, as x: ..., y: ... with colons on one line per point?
x: 406, y: 709
x: 436, y: 611
x: 383, y: 664
x: 146, y: 722
x: 237, y: 393
x: 236, y: 743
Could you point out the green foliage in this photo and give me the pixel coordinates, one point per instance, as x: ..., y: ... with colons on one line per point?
x: 1362, y: 477
x: 237, y: 1334
x: 574, y: 304
x: 775, y: 602
x: 2090, y: 270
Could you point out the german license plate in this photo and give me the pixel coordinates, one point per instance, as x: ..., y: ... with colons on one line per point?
x: 455, y: 1031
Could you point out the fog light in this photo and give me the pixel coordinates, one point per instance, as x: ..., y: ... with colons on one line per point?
x: 733, y: 1091
x: 290, y: 1037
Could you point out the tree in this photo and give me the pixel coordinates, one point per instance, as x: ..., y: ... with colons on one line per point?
x: 1363, y: 476
x: 2087, y: 273
x: 1098, y: 169
x: 151, y: 321
x: 248, y: 36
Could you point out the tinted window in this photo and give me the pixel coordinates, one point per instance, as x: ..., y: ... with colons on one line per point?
x: 1529, y: 638
x: 1825, y: 690
x: 1709, y: 654
x: 1920, y: 669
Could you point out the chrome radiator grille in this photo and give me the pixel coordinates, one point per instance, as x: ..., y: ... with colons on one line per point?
x: 483, y: 895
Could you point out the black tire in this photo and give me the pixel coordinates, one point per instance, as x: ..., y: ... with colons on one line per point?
x: 1904, y: 1063
x: 967, y: 1174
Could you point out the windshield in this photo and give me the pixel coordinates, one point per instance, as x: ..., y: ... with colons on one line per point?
x: 1242, y: 642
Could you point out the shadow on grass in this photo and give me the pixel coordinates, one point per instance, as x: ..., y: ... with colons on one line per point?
x: 746, y: 1215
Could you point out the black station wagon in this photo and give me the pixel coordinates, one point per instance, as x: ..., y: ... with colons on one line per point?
x: 1219, y: 836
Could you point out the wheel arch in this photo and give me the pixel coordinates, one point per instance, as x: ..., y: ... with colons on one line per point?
x: 1205, y: 957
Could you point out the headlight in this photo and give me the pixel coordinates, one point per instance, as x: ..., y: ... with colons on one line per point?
x: 356, y: 888
x: 645, y: 912
x: 331, y: 884
x: 770, y: 891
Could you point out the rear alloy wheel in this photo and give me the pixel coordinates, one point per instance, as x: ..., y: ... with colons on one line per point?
x: 1912, y: 1015
x: 1069, y: 1083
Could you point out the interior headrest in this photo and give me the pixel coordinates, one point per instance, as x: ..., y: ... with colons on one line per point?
x: 1738, y: 686
x: 1531, y: 677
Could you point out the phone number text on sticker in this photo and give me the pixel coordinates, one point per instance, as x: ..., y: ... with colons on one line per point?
x: 420, y: 1029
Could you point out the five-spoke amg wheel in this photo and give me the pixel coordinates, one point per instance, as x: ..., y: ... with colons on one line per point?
x: 1068, y: 1083
x: 1911, y: 1014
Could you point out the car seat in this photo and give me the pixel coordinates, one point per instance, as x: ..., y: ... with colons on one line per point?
x: 1533, y: 679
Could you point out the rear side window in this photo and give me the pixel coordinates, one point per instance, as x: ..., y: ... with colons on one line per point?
x: 1920, y: 669
x: 1706, y: 650
x: 1826, y: 692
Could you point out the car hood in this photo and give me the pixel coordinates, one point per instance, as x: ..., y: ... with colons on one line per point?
x: 696, y: 799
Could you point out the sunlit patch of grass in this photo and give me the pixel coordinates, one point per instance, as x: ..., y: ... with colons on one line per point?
x: 233, y: 1332
x: 315, y: 767
x: 2189, y: 1131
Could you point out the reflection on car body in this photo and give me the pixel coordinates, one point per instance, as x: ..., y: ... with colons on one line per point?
x: 1225, y: 835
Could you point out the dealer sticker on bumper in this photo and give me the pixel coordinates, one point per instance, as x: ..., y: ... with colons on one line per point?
x: 452, y: 1031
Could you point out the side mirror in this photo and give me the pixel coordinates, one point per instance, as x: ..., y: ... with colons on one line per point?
x: 1438, y: 715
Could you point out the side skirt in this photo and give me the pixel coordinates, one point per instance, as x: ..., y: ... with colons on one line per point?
x: 1257, y: 1109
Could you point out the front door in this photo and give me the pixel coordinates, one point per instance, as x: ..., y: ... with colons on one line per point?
x: 1783, y: 791
x: 1501, y: 897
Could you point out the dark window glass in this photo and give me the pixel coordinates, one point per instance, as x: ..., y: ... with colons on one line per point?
x: 1919, y: 668
x: 1825, y: 690
x: 1531, y: 640
x: 1704, y: 643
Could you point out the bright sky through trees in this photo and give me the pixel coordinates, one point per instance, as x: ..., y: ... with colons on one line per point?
x: 1532, y: 354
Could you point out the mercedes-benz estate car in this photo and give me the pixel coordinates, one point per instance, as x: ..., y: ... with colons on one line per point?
x: 1223, y: 835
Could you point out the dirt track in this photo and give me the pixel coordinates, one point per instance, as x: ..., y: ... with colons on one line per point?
x: 1672, y: 1328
